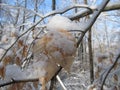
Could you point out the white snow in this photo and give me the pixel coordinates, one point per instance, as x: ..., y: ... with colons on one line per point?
x: 4, y: 39
x: 14, y: 72
x: 61, y: 41
x: 59, y: 22
x: 36, y: 70
x: 1, y: 52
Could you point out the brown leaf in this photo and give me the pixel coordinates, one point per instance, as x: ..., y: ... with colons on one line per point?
x: 116, y: 65
x: 2, y: 71
x: 97, y: 75
x: 18, y: 61
x: 111, y: 62
x: 100, y: 60
x: 7, y: 60
x: 18, y: 86
x: 13, y: 34
x: 24, y: 52
x: 43, y: 82
x: 115, y: 77
x: 20, y: 43
x: 92, y: 87
x: 35, y: 84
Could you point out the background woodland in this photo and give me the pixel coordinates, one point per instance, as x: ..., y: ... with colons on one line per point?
x: 96, y: 65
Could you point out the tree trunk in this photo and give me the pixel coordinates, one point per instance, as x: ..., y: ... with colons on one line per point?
x: 36, y: 10
x: 53, y: 4
x: 24, y: 14
x: 91, y: 64
x: 90, y: 57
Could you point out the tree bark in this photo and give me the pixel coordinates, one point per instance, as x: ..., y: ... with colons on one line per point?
x: 36, y: 10
x: 24, y: 14
x: 53, y: 4
x: 91, y: 64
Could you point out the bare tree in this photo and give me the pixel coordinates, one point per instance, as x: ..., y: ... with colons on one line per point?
x: 24, y: 14
x: 35, y: 9
x: 91, y: 64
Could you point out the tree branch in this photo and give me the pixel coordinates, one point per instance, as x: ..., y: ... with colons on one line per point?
x: 88, y: 11
x: 62, y: 84
x: 68, y: 8
x: 115, y: 6
x: 116, y: 60
x: 109, y: 7
x: 24, y: 80
x: 13, y: 81
x: 92, y: 20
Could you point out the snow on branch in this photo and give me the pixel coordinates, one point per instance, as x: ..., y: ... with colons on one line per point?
x: 69, y: 8
x: 92, y: 20
x: 113, y: 6
x: 89, y: 10
x: 47, y: 15
x: 83, y: 13
x: 23, y: 79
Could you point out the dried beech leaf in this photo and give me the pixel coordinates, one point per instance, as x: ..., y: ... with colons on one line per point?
x: 111, y: 62
x: 2, y: 71
x: 20, y: 43
x: 35, y: 84
x: 92, y: 87
x: 115, y: 77
x: 24, y: 52
x: 97, y: 75
x: 100, y: 60
x: 116, y: 65
x: 13, y: 34
x: 56, y: 48
x: 43, y: 82
x: 7, y: 60
x: 16, y: 86
x: 18, y: 61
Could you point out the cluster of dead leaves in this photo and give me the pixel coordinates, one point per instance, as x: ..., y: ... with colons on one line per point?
x: 15, y: 55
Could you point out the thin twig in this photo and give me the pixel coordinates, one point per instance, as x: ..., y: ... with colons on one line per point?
x: 67, y: 9
x: 29, y: 48
x: 24, y: 80
x: 62, y: 84
x: 76, y: 31
x: 13, y: 81
x: 20, y: 37
x: 116, y: 60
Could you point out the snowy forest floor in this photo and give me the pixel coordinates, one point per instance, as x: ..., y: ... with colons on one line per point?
x: 78, y: 79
